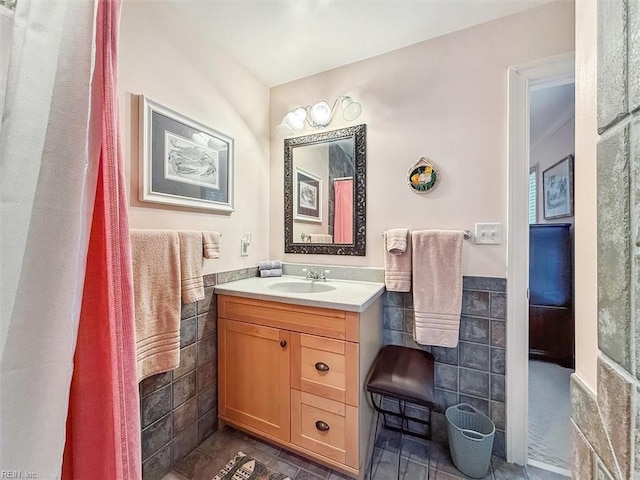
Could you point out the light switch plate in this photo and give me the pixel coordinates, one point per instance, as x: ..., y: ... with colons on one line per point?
x: 488, y: 233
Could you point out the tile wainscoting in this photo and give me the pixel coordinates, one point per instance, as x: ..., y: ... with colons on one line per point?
x: 179, y: 409
x: 474, y: 371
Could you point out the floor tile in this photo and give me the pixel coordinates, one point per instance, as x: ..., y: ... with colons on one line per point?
x: 173, y: 476
x: 304, y: 464
x: 534, y: 473
x: 283, y: 467
x: 506, y: 471
x: 189, y: 465
x: 385, y: 467
x: 440, y: 460
x: 304, y: 475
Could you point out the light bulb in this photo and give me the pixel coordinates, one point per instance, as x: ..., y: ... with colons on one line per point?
x: 351, y: 109
x: 321, y: 114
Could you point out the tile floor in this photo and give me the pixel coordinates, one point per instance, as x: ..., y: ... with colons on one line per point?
x: 418, y: 458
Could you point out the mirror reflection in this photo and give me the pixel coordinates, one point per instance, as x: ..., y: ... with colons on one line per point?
x: 324, y: 192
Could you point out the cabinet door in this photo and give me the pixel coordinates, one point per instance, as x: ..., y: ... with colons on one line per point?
x: 254, y: 377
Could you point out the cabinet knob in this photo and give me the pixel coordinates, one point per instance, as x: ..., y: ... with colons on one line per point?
x: 283, y: 343
x: 322, y: 367
x: 322, y: 426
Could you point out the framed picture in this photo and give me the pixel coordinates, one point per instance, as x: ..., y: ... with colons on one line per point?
x: 308, y: 191
x: 557, y: 189
x: 183, y: 162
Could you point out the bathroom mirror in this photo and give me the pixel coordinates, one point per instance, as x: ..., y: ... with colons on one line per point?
x: 324, y: 193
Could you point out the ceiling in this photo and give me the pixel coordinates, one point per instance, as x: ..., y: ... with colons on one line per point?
x: 549, y: 108
x: 284, y: 40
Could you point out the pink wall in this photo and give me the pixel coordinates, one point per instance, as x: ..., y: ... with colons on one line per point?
x: 164, y: 59
x: 445, y: 99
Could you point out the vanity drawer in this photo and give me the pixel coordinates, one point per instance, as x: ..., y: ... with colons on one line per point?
x: 325, y: 427
x: 325, y: 322
x: 325, y: 367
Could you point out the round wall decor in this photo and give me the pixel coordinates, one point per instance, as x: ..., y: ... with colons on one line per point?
x: 423, y: 176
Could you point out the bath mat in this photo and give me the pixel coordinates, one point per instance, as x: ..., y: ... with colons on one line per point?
x: 243, y: 467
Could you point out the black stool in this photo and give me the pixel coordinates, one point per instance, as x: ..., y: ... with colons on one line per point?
x: 404, y: 374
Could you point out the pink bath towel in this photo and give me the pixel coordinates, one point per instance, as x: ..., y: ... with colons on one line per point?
x: 191, y: 265
x: 397, y: 266
x: 437, y: 286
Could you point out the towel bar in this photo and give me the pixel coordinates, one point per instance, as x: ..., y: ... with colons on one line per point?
x: 466, y: 234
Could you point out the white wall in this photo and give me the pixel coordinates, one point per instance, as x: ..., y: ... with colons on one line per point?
x: 162, y: 58
x: 586, y: 227
x: 445, y: 99
x: 548, y: 152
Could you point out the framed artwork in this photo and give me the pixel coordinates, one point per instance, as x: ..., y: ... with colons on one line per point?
x: 308, y: 193
x: 557, y: 189
x: 183, y: 162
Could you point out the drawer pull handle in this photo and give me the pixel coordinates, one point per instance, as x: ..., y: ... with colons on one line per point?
x: 322, y: 426
x: 322, y: 367
x: 283, y: 343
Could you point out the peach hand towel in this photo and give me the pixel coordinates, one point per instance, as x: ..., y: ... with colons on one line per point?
x: 191, y: 265
x: 397, y: 240
x: 397, y: 267
x: 437, y: 286
x: 211, y: 244
x: 156, y: 285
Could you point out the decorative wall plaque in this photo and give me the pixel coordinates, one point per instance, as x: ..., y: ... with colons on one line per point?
x: 423, y: 176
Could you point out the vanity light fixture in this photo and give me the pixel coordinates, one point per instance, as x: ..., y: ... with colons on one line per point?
x: 319, y: 115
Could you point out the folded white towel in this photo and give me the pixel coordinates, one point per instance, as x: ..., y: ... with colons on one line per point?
x: 397, y: 268
x: 211, y: 244
x: 320, y: 238
x: 437, y: 286
x: 269, y: 264
x: 397, y: 240
x: 274, y: 272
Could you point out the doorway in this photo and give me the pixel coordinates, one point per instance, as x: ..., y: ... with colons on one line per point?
x: 551, y: 291
x: 523, y: 80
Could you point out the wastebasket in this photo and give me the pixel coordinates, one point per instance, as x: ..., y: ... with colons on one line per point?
x: 470, y: 439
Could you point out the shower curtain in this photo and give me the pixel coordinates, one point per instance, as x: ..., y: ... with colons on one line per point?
x: 343, y: 226
x: 103, y: 426
x: 51, y: 148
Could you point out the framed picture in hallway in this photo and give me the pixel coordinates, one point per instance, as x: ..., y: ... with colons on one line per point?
x: 183, y: 162
x: 557, y: 189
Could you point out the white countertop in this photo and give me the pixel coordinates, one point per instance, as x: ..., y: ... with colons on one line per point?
x: 348, y: 295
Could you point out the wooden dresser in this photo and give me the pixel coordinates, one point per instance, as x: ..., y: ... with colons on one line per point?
x: 294, y: 375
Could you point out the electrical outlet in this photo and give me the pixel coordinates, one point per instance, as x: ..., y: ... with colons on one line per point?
x: 488, y: 234
x: 245, y: 241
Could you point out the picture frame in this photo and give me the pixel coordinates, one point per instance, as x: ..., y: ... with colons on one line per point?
x: 557, y: 189
x: 308, y: 197
x: 183, y: 162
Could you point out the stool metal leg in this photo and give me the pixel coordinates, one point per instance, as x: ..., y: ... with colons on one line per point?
x: 373, y: 448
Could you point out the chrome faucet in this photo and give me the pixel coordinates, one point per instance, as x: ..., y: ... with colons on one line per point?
x: 314, y: 275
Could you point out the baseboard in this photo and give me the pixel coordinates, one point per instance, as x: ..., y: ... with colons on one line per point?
x: 549, y: 468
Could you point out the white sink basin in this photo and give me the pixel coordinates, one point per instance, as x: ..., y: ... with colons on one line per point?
x: 302, y: 287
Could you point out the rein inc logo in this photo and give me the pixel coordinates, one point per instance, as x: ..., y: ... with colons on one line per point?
x: 17, y: 474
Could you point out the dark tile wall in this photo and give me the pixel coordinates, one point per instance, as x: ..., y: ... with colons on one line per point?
x: 179, y: 409
x: 474, y: 371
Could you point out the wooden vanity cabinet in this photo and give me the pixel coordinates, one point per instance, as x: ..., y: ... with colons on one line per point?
x: 294, y: 375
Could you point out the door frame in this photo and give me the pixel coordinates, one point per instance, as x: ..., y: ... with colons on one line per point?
x: 544, y: 73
